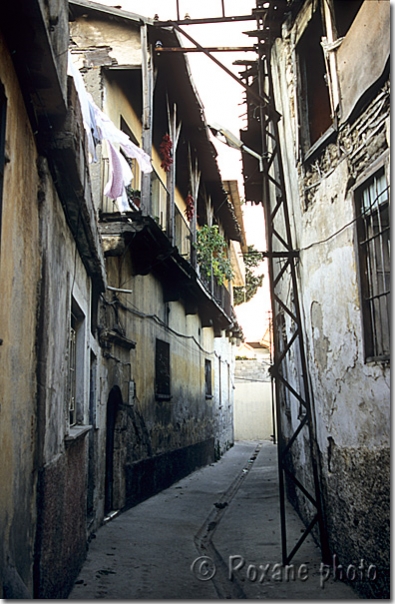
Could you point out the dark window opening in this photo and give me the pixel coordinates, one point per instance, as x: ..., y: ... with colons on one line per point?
x: 162, y: 370
x: 314, y: 94
x: 208, y: 378
x: 345, y: 13
x: 95, y: 310
x: 76, y: 365
x: 373, y: 228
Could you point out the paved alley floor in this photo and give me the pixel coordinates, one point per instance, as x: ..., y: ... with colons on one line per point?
x: 213, y: 535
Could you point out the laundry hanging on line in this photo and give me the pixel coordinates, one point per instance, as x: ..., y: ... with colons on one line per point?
x: 99, y: 127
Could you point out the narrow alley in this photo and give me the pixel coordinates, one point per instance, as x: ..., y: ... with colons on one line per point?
x: 195, y: 345
x: 213, y: 535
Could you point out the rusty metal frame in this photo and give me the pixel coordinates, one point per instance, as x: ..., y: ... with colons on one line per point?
x: 282, y: 260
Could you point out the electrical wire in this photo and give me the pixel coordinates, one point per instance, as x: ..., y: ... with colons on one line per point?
x: 162, y: 323
x: 322, y: 241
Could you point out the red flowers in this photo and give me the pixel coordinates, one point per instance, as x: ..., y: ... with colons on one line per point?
x: 190, y: 209
x: 165, y: 152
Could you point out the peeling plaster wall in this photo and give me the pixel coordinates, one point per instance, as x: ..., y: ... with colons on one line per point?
x: 350, y: 397
x: 120, y: 42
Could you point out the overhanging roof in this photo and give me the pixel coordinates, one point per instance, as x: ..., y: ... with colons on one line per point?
x: 174, y: 80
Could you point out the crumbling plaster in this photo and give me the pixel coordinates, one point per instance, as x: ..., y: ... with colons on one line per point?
x: 350, y: 398
x: 324, y: 232
x: 122, y: 40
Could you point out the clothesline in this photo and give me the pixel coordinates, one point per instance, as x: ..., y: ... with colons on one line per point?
x: 99, y: 127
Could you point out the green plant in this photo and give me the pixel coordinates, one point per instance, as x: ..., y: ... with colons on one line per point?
x: 252, y: 259
x: 212, y: 254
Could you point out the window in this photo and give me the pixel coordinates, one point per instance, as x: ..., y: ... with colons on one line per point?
x: 208, y: 378
x: 315, y: 105
x: 345, y: 13
x: 219, y: 382
x: 373, y: 229
x: 162, y: 370
x: 72, y: 376
x: 3, y: 110
x: 133, y: 191
x: 76, y: 366
x: 158, y: 200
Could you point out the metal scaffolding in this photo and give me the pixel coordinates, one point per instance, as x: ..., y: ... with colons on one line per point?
x: 282, y: 260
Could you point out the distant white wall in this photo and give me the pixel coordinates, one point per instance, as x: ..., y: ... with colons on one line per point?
x: 252, y: 402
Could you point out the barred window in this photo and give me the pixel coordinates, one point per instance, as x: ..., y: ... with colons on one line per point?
x: 72, y: 371
x: 162, y: 370
x: 373, y: 228
x: 76, y: 363
x: 208, y: 378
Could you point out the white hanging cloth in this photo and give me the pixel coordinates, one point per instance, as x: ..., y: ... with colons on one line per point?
x: 111, y: 133
x: 99, y: 127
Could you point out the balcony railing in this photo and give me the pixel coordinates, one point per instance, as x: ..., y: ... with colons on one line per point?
x: 220, y: 293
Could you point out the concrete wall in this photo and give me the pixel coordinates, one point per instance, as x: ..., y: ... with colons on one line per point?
x: 62, y: 533
x: 19, y: 276
x: 351, y: 397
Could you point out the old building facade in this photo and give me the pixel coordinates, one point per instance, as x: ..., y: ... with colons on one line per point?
x: 117, y: 334
x: 329, y: 65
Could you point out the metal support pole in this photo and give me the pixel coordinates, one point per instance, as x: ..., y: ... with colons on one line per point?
x: 278, y: 235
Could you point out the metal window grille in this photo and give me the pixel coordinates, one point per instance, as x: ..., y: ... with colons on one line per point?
x: 219, y: 382
x: 162, y: 370
x: 72, y: 377
x: 374, y: 250
x: 208, y: 378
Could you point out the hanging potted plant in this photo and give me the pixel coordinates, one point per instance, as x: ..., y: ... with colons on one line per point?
x: 212, y: 254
